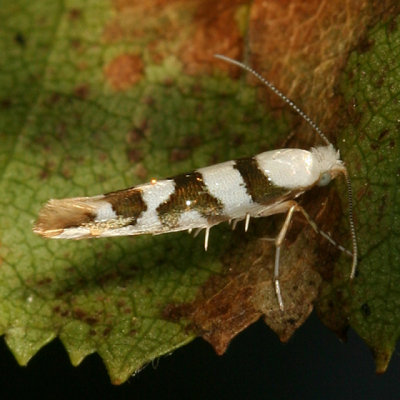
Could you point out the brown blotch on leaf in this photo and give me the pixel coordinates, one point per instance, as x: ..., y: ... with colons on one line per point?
x: 80, y: 314
x: 134, y: 155
x: 365, y: 45
x: 137, y: 133
x: 188, y: 144
x: 124, y: 71
x: 106, y: 331
x: 216, y: 34
x: 46, y: 170
x: 141, y: 171
x: 383, y: 134
x: 230, y: 303
x: 76, y: 44
x: 5, y: 103
x: 20, y: 39
x: 57, y: 309
x: 91, y: 320
x: 74, y: 13
x: 178, y: 154
x: 374, y: 146
x: 366, y: 310
x: 392, y: 26
x: 192, y: 141
x: 53, y: 99
x: 308, y: 68
x: 82, y: 91
x: 44, y: 281
x: 244, y: 291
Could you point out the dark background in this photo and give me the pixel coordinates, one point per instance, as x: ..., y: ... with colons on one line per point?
x: 313, y: 365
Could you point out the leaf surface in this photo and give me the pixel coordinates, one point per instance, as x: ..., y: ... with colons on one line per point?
x: 371, y: 87
x: 96, y: 97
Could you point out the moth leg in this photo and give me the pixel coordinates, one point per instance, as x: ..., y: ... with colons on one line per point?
x: 197, y: 231
x: 321, y: 232
x: 291, y: 206
x: 234, y: 223
x: 207, y: 235
x: 246, y: 225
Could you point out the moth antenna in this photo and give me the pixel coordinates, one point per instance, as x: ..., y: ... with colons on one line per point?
x: 278, y: 93
x: 352, y: 227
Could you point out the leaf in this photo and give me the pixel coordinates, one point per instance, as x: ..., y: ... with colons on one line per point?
x: 95, y: 97
x: 371, y: 89
x: 87, y: 118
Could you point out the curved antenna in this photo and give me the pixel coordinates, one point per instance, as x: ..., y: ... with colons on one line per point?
x: 278, y: 93
x: 323, y: 137
x: 352, y: 227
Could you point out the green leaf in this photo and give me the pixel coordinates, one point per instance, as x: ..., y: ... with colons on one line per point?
x: 96, y: 97
x: 80, y: 118
x: 371, y: 87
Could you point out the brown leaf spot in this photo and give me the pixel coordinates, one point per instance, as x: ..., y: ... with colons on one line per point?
x: 106, y: 331
x: 310, y: 36
x: 46, y: 170
x: 82, y: 91
x: 80, y: 314
x: 20, y: 39
x: 123, y: 5
x: 365, y: 45
x: 103, y: 157
x: 216, y: 34
x: 44, y: 281
x: 124, y: 71
x: 244, y: 291
x: 137, y: 133
x: 5, y: 103
x: 178, y: 154
x: 53, y: 99
x: 134, y: 155
x: 393, y: 25
x: 76, y: 44
x: 74, y: 14
x: 91, y: 320
x: 383, y: 134
x: 141, y: 171
x: 192, y: 141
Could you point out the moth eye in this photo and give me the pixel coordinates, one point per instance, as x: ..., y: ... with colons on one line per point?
x: 324, y: 179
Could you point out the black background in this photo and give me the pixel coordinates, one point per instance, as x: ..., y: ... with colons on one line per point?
x: 313, y: 365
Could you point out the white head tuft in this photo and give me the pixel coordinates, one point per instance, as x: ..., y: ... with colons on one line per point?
x: 327, y: 159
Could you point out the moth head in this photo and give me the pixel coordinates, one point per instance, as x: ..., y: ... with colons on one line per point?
x: 329, y: 164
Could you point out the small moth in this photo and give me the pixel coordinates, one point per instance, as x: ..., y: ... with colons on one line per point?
x: 266, y: 184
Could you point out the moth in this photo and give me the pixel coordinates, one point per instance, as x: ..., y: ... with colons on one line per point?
x: 266, y: 184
